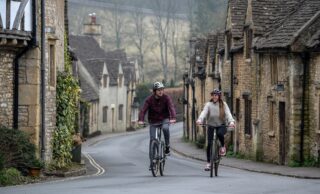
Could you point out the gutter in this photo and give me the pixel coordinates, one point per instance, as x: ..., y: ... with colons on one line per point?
x: 43, y: 86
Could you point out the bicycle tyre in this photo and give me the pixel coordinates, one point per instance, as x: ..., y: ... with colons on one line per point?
x: 162, y: 159
x: 154, y: 153
x: 212, y: 158
x: 217, y: 160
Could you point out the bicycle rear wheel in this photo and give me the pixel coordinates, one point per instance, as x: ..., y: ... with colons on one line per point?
x: 162, y: 160
x: 154, y: 160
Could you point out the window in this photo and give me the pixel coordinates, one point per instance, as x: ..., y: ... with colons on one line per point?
x: 248, y: 34
x: 105, y: 80
x: 274, y: 69
x: 247, y: 113
x: 271, y: 115
x: 104, y: 114
x: 120, y: 112
x: 52, y: 66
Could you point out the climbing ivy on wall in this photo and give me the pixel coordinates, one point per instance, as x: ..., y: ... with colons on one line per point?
x: 67, y: 100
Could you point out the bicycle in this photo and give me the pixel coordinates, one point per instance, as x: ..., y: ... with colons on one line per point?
x: 157, y: 152
x: 215, y: 156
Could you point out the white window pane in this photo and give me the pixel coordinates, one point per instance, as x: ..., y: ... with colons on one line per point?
x: 28, y: 17
x: 3, y: 11
x: 13, y: 12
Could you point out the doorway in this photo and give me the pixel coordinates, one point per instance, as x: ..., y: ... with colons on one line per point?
x: 282, y: 133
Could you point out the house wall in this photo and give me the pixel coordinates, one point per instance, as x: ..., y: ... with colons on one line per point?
x: 314, y: 104
x: 6, y: 85
x: 119, y: 96
x: 55, y: 18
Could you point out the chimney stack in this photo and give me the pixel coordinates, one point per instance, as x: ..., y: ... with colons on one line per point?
x: 92, y: 28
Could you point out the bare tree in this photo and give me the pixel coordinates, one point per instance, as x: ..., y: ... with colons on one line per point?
x: 116, y: 21
x: 139, y: 36
x: 191, y: 5
x: 174, y: 42
x: 163, y: 10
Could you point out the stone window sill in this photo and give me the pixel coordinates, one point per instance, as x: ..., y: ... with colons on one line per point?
x: 271, y: 134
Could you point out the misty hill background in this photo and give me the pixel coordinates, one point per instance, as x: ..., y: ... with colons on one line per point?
x: 195, y: 18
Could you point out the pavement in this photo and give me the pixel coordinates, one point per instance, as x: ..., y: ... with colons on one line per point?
x: 189, y: 150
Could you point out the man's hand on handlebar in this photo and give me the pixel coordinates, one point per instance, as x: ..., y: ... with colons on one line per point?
x: 172, y: 121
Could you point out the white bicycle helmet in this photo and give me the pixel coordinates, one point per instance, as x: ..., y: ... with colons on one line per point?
x: 157, y: 86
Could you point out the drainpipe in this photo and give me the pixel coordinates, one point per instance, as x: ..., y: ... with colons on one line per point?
x: 231, y: 82
x: 232, y: 92
x: 305, y: 59
x: 194, y: 135
x: 187, y: 112
x: 32, y: 44
x: 43, y: 86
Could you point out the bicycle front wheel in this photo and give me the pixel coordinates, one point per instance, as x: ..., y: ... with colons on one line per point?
x: 212, y: 158
x: 216, y: 159
x: 154, y: 160
x: 162, y: 159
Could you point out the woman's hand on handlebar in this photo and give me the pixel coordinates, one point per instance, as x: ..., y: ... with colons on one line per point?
x: 231, y: 125
x: 199, y: 122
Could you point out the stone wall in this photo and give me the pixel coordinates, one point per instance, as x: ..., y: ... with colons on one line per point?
x: 54, y: 19
x: 29, y: 94
x: 6, y: 85
x: 314, y: 88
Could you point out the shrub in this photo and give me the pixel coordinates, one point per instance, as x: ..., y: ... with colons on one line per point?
x: 16, y: 149
x: 10, y: 176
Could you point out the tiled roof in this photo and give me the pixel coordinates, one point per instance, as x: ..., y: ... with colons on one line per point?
x: 86, y: 47
x: 267, y: 14
x: 284, y: 35
x: 94, y: 57
x: 238, y: 10
x: 212, y: 46
x: 220, y: 41
x: 87, y: 93
x: 314, y: 42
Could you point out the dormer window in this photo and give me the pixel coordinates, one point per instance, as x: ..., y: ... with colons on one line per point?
x: 248, y: 42
x: 120, y: 80
x: 105, y: 80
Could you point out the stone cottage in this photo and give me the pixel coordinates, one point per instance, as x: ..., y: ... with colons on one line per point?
x: 108, y: 81
x: 32, y: 51
x: 269, y: 77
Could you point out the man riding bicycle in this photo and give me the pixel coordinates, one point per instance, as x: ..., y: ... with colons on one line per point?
x: 160, y: 111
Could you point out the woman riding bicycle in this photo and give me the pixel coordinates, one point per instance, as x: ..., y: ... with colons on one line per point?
x: 218, y: 115
x: 160, y: 111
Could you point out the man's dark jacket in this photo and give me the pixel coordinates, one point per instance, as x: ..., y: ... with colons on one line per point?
x: 158, y: 109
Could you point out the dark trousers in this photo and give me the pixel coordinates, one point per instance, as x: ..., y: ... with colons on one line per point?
x: 221, y: 131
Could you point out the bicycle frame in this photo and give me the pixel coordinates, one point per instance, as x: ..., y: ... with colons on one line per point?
x: 157, y: 145
x: 214, y: 155
x: 214, y: 152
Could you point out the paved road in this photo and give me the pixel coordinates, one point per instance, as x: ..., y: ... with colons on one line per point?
x: 122, y: 167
